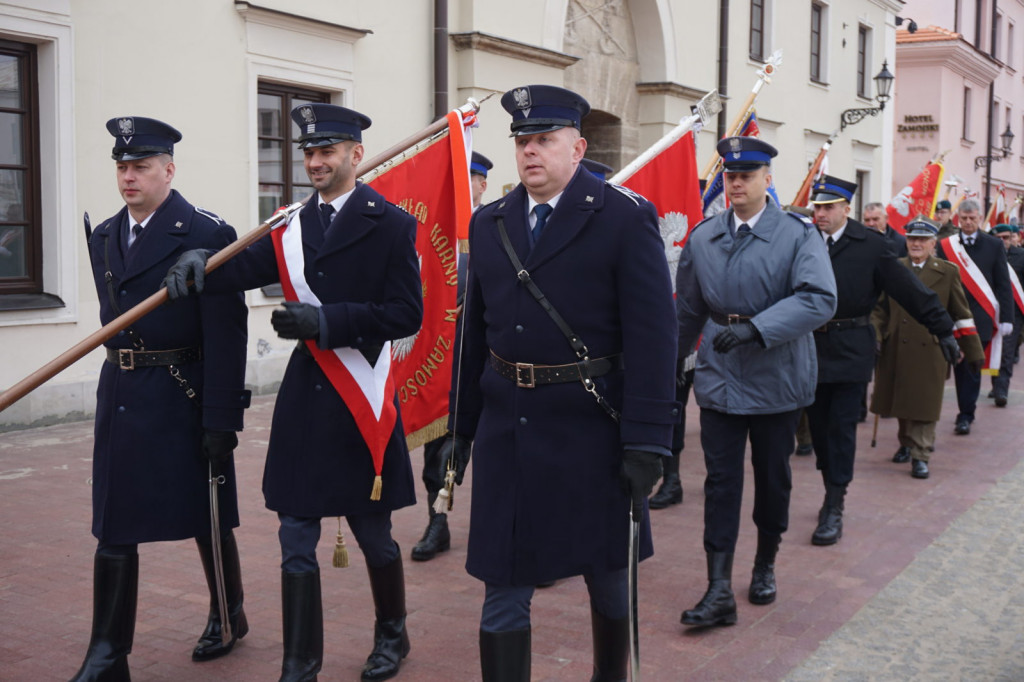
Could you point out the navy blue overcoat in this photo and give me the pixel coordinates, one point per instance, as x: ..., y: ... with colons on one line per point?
x: 365, y: 272
x: 548, y: 501
x: 150, y: 479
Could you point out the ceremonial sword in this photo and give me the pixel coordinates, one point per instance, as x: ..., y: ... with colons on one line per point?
x: 634, y: 623
x: 218, y: 559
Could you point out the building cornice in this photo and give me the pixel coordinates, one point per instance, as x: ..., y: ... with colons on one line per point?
x: 275, y: 17
x: 894, y: 6
x: 671, y: 89
x: 956, y: 55
x: 485, y: 42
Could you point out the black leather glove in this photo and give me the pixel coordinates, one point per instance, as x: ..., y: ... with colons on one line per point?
x: 296, y: 321
x: 735, y: 335
x: 950, y: 349
x: 640, y: 471
x: 456, y: 448
x: 218, y: 446
x: 191, y: 265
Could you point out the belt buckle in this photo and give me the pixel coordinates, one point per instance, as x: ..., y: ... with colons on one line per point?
x: 525, y: 369
x: 732, y: 318
x: 124, y: 353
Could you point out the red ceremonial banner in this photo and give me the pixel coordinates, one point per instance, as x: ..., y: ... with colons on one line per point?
x: 917, y: 198
x: 434, y: 187
x: 670, y: 181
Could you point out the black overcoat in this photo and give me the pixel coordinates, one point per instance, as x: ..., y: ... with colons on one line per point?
x: 365, y: 272
x: 989, y: 254
x: 548, y: 501
x: 150, y: 479
x: 865, y: 265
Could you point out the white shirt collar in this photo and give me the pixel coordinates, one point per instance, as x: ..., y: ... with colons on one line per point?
x: 338, y: 201
x: 532, y: 203
x: 132, y: 223
x: 835, y: 235
x: 736, y: 222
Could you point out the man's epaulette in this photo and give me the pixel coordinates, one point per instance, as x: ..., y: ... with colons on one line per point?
x: 634, y: 197
x: 701, y: 223
x: 212, y: 216
x: 799, y: 216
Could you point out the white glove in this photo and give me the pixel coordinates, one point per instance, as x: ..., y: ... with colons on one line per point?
x: 1005, y: 328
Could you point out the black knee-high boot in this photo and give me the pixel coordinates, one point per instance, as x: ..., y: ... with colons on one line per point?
x: 115, y: 597
x: 390, y: 638
x: 611, y: 647
x: 210, y: 645
x: 302, y: 612
x: 505, y: 656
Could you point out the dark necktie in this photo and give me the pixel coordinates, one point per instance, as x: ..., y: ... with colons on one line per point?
x: 968, y: 241
x: 542, y: 211
x: 830, y: 243
x: 327, y: 211
x: 742, y: 229
x: 136, y: 231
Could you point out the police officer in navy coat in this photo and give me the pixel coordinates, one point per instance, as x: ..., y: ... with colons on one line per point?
x: 865, y: 265
x: 554, y: 472
x: 359, y: 260
x: 170, y: 399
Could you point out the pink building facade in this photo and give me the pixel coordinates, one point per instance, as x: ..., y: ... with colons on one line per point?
x: 959, y: 87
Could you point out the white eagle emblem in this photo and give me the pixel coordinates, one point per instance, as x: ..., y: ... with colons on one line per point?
x: 673, y: 227
x: 521, y: 96
x: 306, y: 112
x: 735, y: 144
x: 126, y: 126
x: 903, y: 201
x: 401, y: 348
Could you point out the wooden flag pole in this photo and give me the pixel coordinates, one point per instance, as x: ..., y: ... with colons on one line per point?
x: 805, y: 186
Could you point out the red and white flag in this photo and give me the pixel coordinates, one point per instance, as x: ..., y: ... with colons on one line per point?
x: 917, y: 198
x: 999, y: 212
x: 434, y: 186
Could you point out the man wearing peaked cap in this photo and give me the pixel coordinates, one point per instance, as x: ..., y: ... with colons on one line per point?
x: 1015, y: 261
x: 157, y: 436
x: 596, y: 168
x: 753, y: 282
x: 558, y: 429
x: 478, y: 169
x: 944, y: 217
x: 351, y: 276
x: 865, y: 266
x: 911, y: 370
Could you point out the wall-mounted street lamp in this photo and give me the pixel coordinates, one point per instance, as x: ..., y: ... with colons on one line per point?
x: 911, y: 25
x: 883, y: 85
x: 997, y: 154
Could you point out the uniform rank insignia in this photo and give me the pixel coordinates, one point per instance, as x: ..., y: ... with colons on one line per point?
x: 126, y: 126
x: 522, y: 98
x: 307, y: 114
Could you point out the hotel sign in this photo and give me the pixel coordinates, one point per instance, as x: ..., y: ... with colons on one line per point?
x: 917, y: 124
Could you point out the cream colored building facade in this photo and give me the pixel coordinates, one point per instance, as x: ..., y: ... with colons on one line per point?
x: 222, y: 71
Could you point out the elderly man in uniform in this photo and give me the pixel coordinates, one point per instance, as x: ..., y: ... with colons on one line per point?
x: 865, y: 265
x: 351, y: 276
x: 912, y: 368
x: 754, y: 282
x: 171, y: 397
x: 437, y: 538
x: 1015, y: 259
x: 982, y: 261
x: 565, y: 439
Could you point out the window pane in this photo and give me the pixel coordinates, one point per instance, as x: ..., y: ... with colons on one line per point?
x: 269, y: 200
x: 300, y: 192
x: 10, y: 139
x: 270, y: 161
x: 298, y: 170
x: 10, y: 82
x: 12, y: 195
x: 12, y: 252
x: 269, y: 115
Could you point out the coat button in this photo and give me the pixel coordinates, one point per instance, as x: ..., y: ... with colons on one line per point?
x: 123, y: 292
x: 121, y: 333
x: 319, y: 274
x: 359, y: 340
x: 318, y: 387
x: 120, y: 408
x: 522, y: 420
x: 519, y: 329
x: 675, y: 411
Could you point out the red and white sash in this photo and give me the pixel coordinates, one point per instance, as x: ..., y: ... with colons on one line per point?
x: 368, y: 390
x: 978, y: 287
x: 1018, y: 292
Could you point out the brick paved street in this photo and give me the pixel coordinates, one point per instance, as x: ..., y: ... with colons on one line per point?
x: 925, y: 584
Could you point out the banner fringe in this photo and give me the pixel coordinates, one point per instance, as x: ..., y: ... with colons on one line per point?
x: 431, y: 431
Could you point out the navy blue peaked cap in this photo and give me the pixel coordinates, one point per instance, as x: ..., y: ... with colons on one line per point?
x: 480, y: 165
x: 136, y: 137
x: 598, y: 169
x: 829, y: 190
x: 921, y: 226
x: 745, y: 153
x: 543, y: 108
x: 321, y: 125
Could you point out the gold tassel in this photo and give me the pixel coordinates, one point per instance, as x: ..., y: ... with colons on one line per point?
x: 340, y: 551
x: 375, y: 493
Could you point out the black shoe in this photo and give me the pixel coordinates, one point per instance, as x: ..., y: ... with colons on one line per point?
x: 505, y: 656
x: 436, y: 539
x: 1000, y: 400
x: 804, y: 450
x: 762, y: 580
x: 670, y: 492
x: 718, y: 605
x: 902, y: 455
x: 611, y: 647
x: 115, y: 596
x: 302, y: 612
x: 390, y: 638
x: 963, y: 427
x: 919, y: 468
x: 992, y: 393
x: 830, y: 518
x: 211, y: 644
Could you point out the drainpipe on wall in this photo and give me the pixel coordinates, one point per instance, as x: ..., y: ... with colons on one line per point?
x: 723, y: 61
x: 440, y: 59
x: 991, y: 115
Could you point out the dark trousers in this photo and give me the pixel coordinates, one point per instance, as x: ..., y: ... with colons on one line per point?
x: 300, y: 535
x: 833, y: 420
x: 1001, y: 382
x: 968, y: 386
x: 724, y: 439
x: 433, y: 467
x: 507, y: 608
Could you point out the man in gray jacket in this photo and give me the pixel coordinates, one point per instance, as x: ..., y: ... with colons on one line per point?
x: 755, y: 282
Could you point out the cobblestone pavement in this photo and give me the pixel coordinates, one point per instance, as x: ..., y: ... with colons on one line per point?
x: 925, y: 584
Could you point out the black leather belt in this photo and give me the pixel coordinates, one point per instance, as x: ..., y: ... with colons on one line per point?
x: 726, y: 320
x: 844, y: 323
x: 126, y: 358
x: 528, y: 375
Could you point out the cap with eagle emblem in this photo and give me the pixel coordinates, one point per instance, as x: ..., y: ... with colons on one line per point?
x: 598, y: 169
x: 829, y: 190
x: 543, y: 108
x: 741, y: 154
x: 321, y: 125
x: 480, y: 165
x: 137, y: 137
